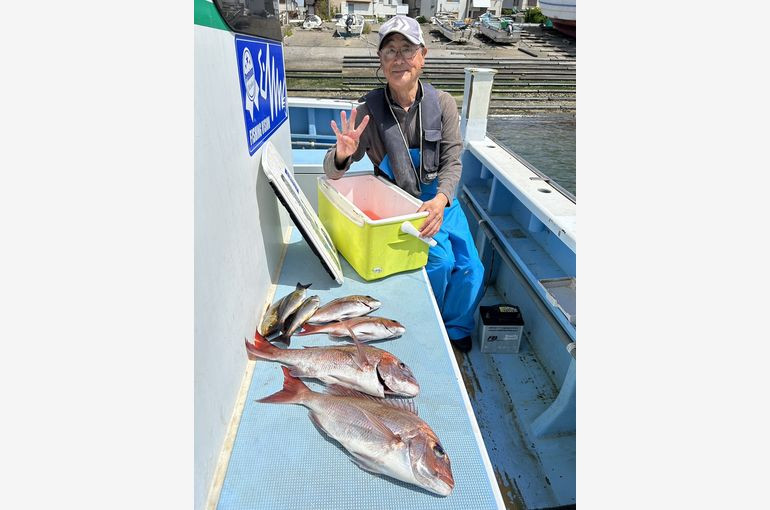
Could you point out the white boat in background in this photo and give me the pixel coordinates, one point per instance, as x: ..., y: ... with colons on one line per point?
x: 350, y: 24
x: 562, y: 15
x: 453, y: 29
x: 500, y: 30
x: 312, y: 22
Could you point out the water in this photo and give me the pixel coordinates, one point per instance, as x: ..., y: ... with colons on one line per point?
x: 546, y: 142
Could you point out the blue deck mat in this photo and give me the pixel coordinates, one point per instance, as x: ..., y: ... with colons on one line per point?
x: 280, y: 460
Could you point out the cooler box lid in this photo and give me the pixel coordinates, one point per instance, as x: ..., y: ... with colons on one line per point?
x: 302, y: 214
x: 501, y: 315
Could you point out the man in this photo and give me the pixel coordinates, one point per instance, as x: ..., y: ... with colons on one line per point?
x: 414, y: 140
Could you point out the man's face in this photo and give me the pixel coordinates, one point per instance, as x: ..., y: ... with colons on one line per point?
x: 401, y: 60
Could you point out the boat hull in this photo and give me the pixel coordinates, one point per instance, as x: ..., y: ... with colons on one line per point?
x: 355, y: 29
x: 562, y: 14
x: 566, y: 27
x: 500, y: 36
x: 455, y: 35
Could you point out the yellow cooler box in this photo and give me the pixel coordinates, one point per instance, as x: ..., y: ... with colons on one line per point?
x: 365, y: 218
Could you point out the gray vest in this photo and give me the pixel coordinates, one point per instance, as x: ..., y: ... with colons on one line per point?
x: 390, y: 133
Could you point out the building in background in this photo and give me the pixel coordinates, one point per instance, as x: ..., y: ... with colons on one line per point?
x: 370, y: 8
x: 293, y: 9
x: 414, y: 8
x: 450, y: 6
x: 475, y: 8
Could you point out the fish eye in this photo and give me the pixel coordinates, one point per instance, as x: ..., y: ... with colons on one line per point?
x: 438, y: 450
x: 402, y: 365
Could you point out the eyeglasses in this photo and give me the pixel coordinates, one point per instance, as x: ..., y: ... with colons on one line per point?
x: 407, y: 53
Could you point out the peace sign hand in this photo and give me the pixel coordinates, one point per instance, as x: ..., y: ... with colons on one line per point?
x: 347, y: 139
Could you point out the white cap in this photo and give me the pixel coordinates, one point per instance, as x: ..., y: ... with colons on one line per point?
x: 404, y: 25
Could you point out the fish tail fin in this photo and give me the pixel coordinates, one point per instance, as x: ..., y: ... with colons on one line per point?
x: 300, y: 286
x: 309, y: 329
x: 261, y: 348
x: 294, y: 391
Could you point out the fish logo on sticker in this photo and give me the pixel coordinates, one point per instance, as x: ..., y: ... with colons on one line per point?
x: 263, y: 88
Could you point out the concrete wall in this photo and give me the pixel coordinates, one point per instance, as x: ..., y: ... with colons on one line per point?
x: 428, y: 8
x: 462, y: 8
x: 238, y: 244
x: 519, y: 4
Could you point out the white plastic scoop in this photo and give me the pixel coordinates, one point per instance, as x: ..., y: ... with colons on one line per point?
x: 408, y: 228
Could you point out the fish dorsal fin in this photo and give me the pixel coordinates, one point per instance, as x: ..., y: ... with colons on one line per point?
x: 404, y: 404
x: 343, y: 391
x: 360, y: 356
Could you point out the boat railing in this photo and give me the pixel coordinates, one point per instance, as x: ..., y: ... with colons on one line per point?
x: 544, y: 177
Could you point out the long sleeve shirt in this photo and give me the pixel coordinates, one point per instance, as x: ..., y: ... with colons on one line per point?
x: 370, y: 143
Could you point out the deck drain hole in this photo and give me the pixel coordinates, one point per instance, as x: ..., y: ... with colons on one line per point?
x: 543, y: 190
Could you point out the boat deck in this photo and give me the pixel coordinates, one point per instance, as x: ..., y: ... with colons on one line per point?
x: 279, y: 460
x: 508, y: 393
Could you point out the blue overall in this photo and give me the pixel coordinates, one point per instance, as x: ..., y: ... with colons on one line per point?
x: 454, y: 268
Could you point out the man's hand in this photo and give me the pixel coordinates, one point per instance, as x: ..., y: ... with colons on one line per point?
x: 347, y: 138
x: 435, y: 208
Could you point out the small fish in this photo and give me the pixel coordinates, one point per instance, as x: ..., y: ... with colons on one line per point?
x: 270, y: 323
x: 382, y: 435
x: 291, y: 302
x: 361, y: 367
x: 366, y: 329
x: 345, y: 308
x: 303, y: 313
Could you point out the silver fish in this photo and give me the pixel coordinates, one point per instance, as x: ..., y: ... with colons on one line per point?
x: 361, y: 367
x: 303, y: 313
x: 383, y: 435
x: 366, y: 329
x: 291, y: 302
x: 345, y: 308
x: 270, y: 323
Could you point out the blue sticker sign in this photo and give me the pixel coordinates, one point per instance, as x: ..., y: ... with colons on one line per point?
x: 263, y: 88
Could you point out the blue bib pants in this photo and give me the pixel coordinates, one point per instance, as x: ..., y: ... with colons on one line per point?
x: 454, y: 269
